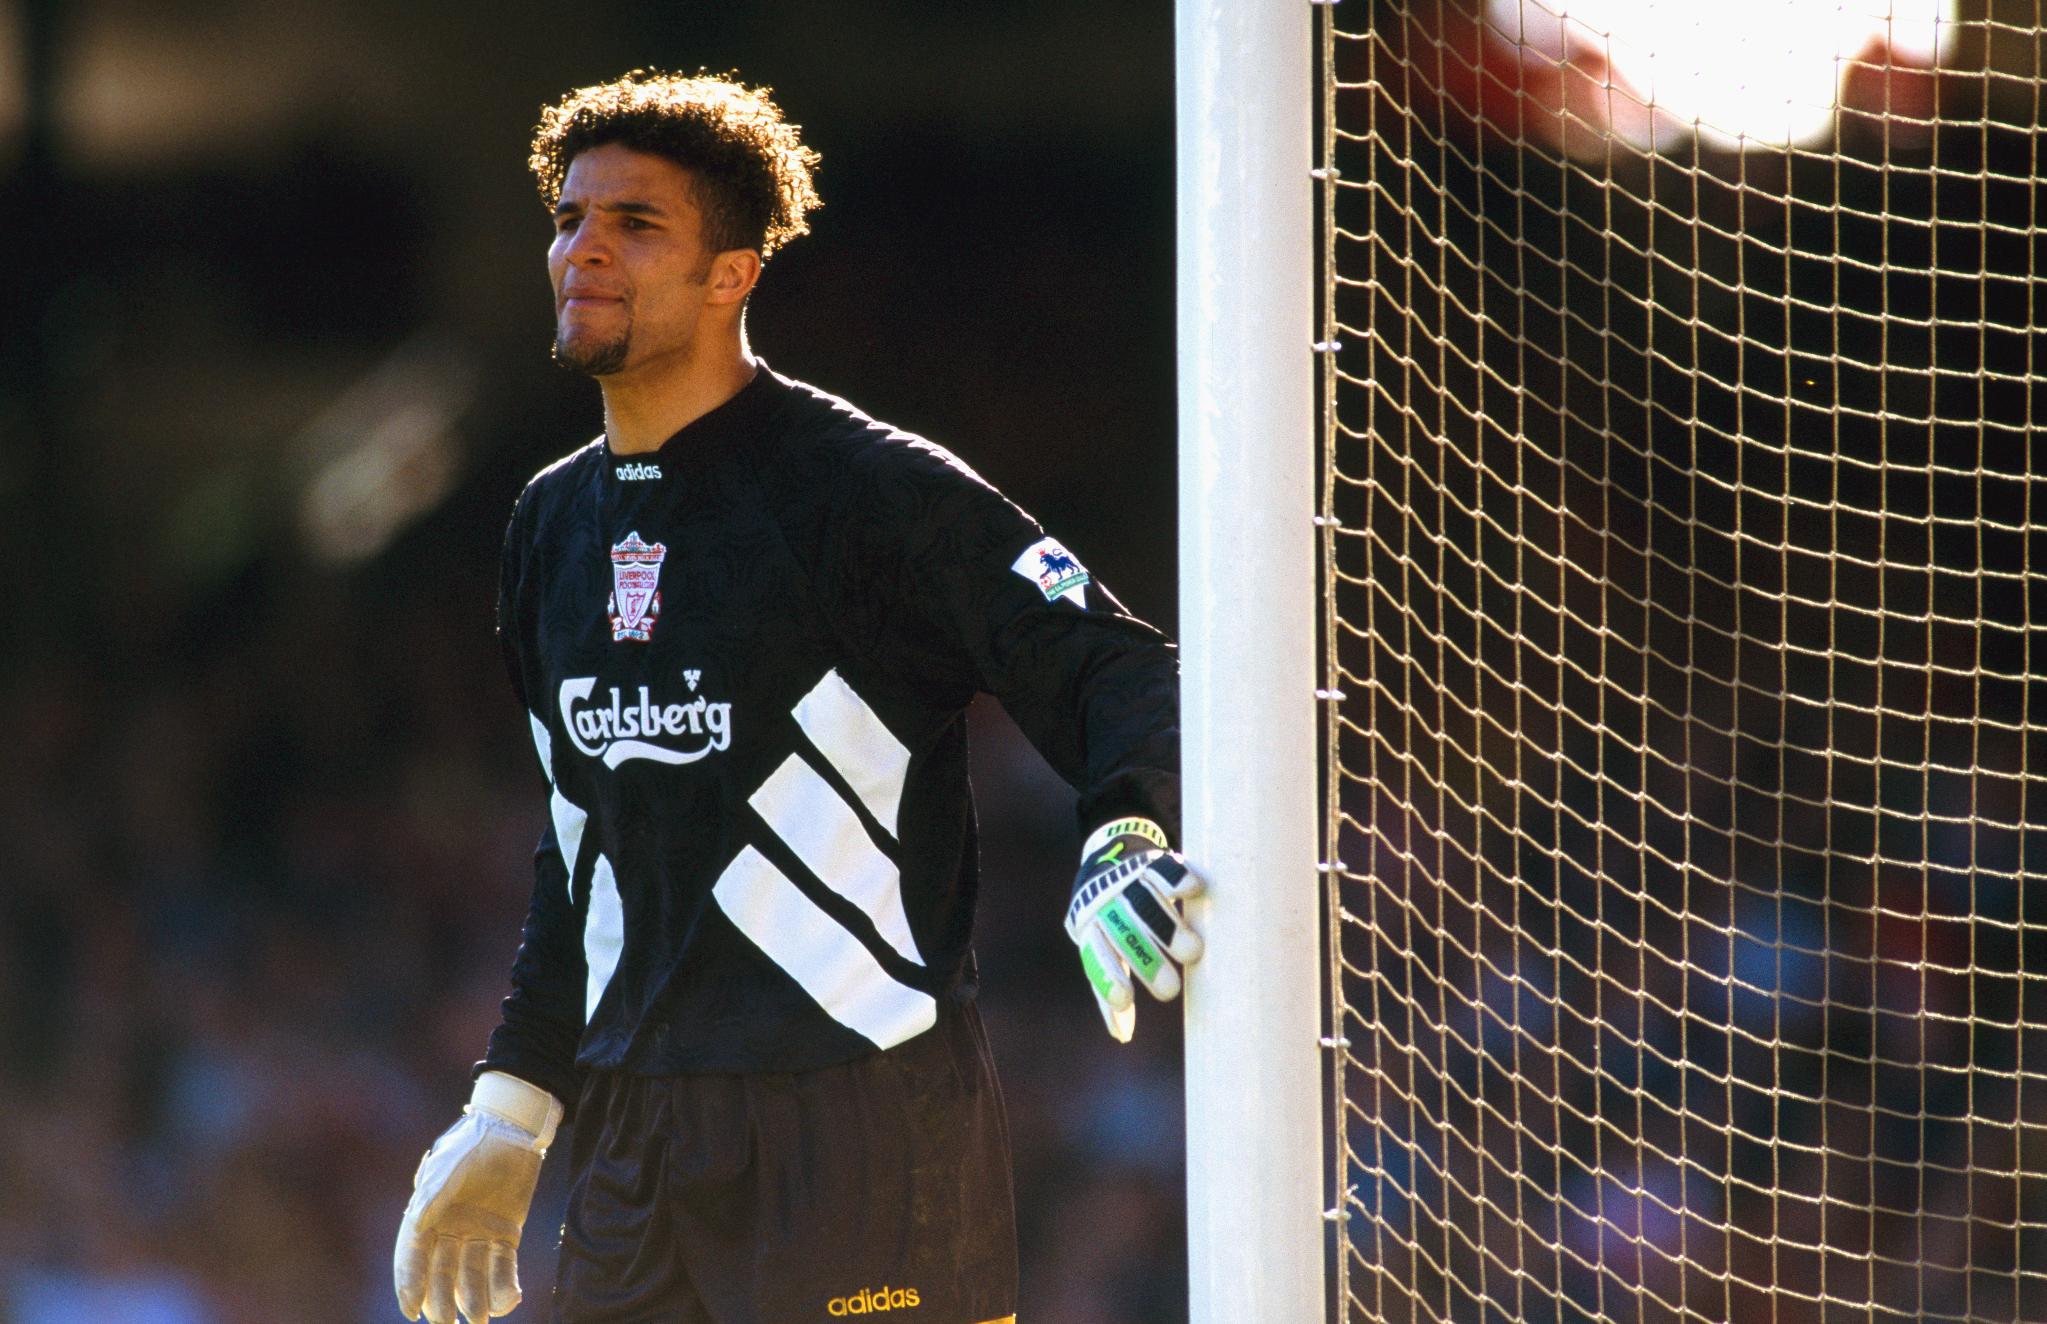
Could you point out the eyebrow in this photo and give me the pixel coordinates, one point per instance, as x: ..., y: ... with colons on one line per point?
x: 628, y: 207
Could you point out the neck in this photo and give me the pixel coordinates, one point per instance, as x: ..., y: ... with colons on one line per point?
x: 654, y: 401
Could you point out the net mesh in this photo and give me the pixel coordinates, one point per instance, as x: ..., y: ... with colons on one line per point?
x: 1686, y: 774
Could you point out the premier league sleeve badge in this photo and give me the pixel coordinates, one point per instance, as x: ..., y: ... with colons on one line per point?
x: 635, y: 589
x: 1054, y: 570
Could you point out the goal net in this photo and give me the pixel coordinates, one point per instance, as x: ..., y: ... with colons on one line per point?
x: 1687, y: 758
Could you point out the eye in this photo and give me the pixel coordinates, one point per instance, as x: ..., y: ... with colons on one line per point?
x: 638, y: 223
x: 564, y: 224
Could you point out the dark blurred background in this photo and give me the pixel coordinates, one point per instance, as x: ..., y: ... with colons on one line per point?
x: 275, y: 368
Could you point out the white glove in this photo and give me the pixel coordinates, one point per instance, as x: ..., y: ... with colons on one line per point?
x: 1124, y: 919
x: 458, y: 1247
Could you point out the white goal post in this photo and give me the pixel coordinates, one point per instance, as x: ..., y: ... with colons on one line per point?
x: 1248, y: 623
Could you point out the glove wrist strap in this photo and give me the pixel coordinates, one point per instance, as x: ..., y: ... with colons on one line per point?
x: 523, y: 1104
x: 1124, y: 827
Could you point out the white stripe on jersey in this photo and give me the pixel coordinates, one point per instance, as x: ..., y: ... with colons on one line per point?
x: 568, y: 819
x: 603, y: 934
x: 832, y: 965
x: 568, y: 828
x: 806, y: 812
x: 604, y: 923
x: 870, y: 758
x: 543, y: 744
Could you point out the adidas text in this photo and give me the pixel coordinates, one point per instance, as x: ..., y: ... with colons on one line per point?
x: 871, y: 1300
x: 633, y: 473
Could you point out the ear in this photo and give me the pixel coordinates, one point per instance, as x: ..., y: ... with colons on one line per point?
x: 733, y: 275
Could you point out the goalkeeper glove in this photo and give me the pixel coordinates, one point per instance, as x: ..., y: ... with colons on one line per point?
x: 1124, y: 920
x: 458, y: 1245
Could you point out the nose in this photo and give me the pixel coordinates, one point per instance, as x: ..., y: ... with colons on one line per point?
x: 585, y: 247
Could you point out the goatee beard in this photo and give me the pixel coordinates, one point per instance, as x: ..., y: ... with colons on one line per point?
x: 599, y: 360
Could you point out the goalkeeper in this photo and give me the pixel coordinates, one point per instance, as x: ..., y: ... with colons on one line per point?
x: 745, y: 624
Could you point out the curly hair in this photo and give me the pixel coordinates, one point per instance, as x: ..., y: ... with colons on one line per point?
x: 751, y: 172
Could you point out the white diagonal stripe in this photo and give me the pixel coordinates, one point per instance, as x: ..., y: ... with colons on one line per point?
x: 604, y: 921
x: 870, y: 758
x: 831, y: 965
x: 568, y: 819
x: 543, y: 744
x: 568, y: 828
x: 826, y: 835
x: 603, y: 934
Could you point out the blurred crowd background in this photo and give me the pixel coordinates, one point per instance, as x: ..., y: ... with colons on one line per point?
x: 276, y: 326
x: 1690, y: 615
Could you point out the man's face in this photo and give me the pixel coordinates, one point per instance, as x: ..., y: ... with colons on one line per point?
x: 628, y: 262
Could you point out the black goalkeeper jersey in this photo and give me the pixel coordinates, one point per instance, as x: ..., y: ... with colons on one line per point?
x: 746, y: 659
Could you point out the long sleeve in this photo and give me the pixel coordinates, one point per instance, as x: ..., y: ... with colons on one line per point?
x: 542, y: 1022
x: 988, y: 597
x: 542, y: 1017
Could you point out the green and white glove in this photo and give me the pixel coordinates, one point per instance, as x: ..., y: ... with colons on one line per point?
x: 1125, y: 920
x: 458, y: 1247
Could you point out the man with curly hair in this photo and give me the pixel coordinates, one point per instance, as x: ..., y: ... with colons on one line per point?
x: 745, y: 624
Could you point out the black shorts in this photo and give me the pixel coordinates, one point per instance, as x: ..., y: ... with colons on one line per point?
x: 878, y: 1187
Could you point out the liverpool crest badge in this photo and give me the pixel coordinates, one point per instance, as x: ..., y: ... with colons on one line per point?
x: 635, y: 588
